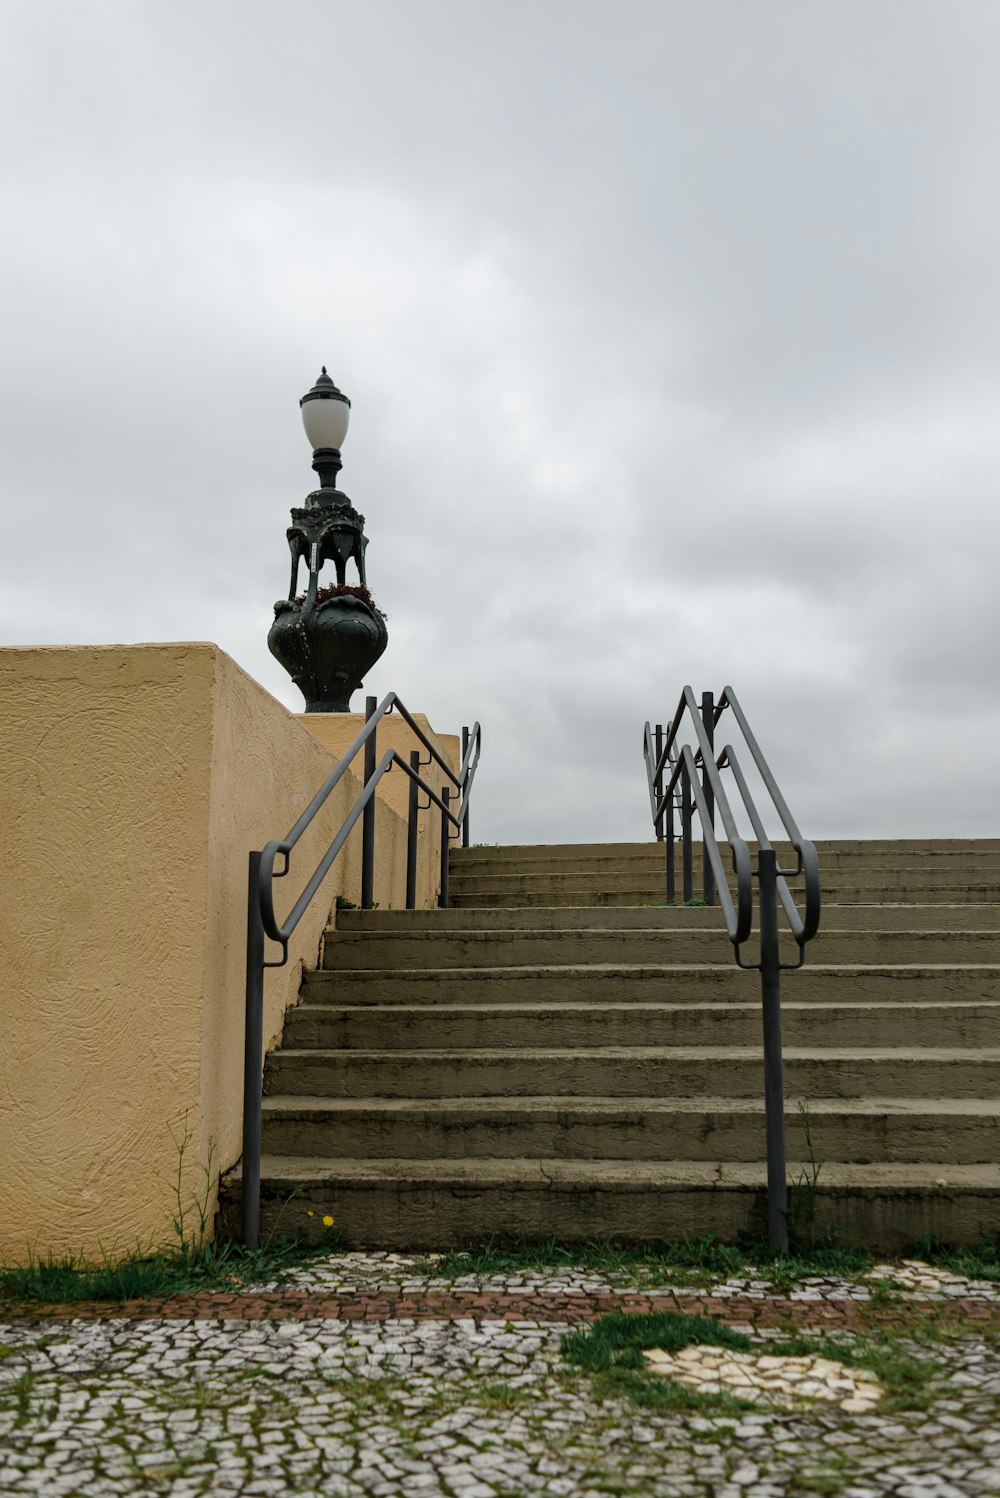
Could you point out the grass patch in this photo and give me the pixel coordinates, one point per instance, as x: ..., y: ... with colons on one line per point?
x: 611, y: 1349
x: 980, y: 1262
x: 699, y: 1263
x: 140, y: 1276
x: 620, y: 1338
x: 513, y: 1255
x: 837, y: 1473
x: 504, y: 1396
x: 884, y: 1293
x: 21, y: 1390
x: 910, y: 1382
x: 696, y: 1262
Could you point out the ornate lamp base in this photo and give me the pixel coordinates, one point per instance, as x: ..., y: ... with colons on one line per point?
x: 327, y: 648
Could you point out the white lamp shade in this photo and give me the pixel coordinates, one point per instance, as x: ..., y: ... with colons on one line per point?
x: 325, y: 421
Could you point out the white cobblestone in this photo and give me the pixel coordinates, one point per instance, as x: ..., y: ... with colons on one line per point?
x: 388, y: 1273
x: 449, y: 1409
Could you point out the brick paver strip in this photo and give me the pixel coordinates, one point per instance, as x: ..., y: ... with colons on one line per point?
x: 477, y: 1305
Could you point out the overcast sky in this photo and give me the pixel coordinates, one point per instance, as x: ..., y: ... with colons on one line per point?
x: 672, y: 335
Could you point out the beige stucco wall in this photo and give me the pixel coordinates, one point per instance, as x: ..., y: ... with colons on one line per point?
x: 134, y: 780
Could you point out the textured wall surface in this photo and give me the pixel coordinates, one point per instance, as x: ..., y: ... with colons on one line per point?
x: 133, y: 782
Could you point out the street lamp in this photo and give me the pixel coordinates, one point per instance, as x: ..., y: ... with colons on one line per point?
x: 326, y: 415
x: 328, y: 637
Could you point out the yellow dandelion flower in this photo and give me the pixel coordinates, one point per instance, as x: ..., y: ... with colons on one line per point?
x: 328, y: 1222
x: 309, y: 1214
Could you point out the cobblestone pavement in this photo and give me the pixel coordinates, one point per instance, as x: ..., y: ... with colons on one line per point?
x: 372, y: 1375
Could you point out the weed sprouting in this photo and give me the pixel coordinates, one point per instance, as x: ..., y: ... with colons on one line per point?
x: 802, y: 1196
x: 504, y: 1396
x: 981, y: 1261
x: 69, y: 1278
x: 21, y: 1389
x: 696, y: 1262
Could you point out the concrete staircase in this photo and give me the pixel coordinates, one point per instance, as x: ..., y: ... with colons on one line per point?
x: 561, y: 1055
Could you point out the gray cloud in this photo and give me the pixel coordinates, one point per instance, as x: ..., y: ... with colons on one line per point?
x: 673, y: 346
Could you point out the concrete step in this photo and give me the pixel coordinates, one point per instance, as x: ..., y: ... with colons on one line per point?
x: 938, y: 917
x: 533, y: 880
x: 889, y: 851
x: 406, y: 1027
x: 654, y: 862
x: 579, y: 895
x: 644, y: 858
x: 534, y: 918
x: 865, y: 1130
x: 632, y: 899
x: 631, y: 1071
x: 854, y: 879
x: 638, y: 899
x: 436, y: 1204
x: 517, y: 948
x: 678, y: 983
x: 636, y: 896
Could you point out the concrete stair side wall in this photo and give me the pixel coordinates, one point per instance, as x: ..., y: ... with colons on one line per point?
x: 136, y: 780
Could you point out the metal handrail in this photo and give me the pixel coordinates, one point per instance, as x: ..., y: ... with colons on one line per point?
x: 680, y: 790
x: 270, y: 852
x: 263, y: 923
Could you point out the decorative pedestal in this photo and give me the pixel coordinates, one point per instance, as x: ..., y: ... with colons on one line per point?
x: 327, y: 648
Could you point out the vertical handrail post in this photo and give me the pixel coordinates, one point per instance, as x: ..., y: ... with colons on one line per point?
x: 465, y: 819
x: 687, y: 853
x: 670, y: 843
x: 774, y: 1090
x: 443, y: 897
x: 658, y: 783
x: 411, y: 834
x: 368, y: 816
x: 708, y: 719
x: 253, y: 1059
x: 671, y: 875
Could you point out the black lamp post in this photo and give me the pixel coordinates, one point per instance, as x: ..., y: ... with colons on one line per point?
x: 329, y: 637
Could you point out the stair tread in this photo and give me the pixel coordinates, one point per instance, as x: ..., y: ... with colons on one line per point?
x: 640, y: 1006
x: 848, y: 843
x: 856, y: 918
x: 560, y: 1102
x: 659, y: 908
x: 496, y: 934
x: 555, y: 1172
x: 608, y: 969
x: 739, y: 1053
